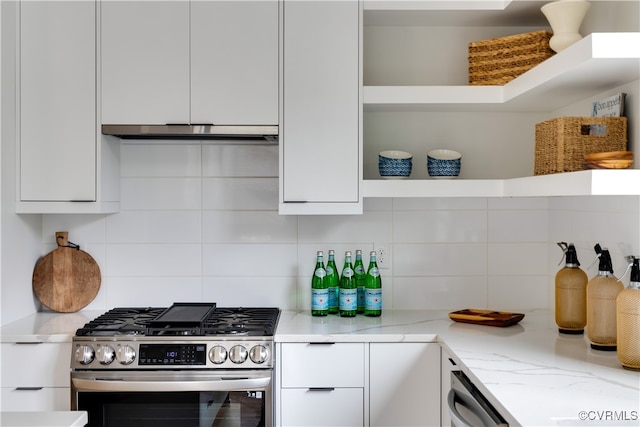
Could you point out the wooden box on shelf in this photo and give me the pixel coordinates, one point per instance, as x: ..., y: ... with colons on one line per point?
x: 562, y: 143
x: 499, y: 60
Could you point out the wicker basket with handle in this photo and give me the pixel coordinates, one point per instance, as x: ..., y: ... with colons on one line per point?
x: 562, y: 143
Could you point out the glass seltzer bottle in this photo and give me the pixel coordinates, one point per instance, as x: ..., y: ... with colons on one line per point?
x: 348, y: 293
x: 373, y: 288
x: 319, y: 291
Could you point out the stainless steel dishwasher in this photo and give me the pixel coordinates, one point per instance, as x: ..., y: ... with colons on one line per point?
x: 468, y: 407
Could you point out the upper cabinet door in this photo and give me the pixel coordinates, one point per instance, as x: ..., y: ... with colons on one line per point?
x: 57, y: 101
x: 234, y: 62
x: 320, y: 136
x: 145, y: 62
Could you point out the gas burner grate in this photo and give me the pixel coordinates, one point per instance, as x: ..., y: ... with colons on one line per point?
x: 232, y: 321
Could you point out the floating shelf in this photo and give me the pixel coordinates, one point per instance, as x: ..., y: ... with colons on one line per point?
x: 596, y: 63
x: 583, y: 183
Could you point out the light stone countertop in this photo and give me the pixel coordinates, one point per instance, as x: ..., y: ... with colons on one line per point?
x: 532, y: 374
x: 47, y: 326
x: 44, y: 419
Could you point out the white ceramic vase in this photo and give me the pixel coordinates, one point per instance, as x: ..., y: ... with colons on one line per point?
x: 565, y: 18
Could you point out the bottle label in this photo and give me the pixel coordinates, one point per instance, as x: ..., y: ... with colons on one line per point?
x: 333, y: 296
x: 347, y: 272
x: 348, y: 299
x: 360, y: 269
x: 374, y: 272
x: 319, y: 299
x: 329, y: 270
x: 360, y: 290
x: 373, y: 299
x: 320, y: 272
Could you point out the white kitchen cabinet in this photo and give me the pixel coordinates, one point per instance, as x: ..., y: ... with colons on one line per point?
x: 370, y: 384
x: 320, y: 132
x: 404, y: 384
x: 35, y: 376
x: 416, y: 97
x: 322, y: 384
x: 234, y: 62
x: 182, y: 61
x: 64, y: 166
x: 322, y: 407
x: 145, y: 62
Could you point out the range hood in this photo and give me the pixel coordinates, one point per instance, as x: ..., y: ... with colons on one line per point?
x: 248, y: 133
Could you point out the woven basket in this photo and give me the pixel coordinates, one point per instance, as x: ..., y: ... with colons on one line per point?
x: 498, y: 61
x: 562, y: 143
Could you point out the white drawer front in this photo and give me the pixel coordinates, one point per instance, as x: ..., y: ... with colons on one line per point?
x: 36, y: 365
x: 322, y: 365
x: 339, y: 407
x: 44, y: 399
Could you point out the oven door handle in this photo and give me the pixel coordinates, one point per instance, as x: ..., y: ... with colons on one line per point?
x: 124, y: 385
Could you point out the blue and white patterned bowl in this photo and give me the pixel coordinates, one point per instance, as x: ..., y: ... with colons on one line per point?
x: 443, y: 163
x: 395, y: 164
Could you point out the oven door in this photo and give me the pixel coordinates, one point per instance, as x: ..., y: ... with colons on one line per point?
x: 174, y: 398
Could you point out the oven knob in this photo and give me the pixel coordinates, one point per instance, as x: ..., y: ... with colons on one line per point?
x: 85, y: 354
x: 238, y: 354
x: 105, y: 354
x: 126, y: 355
x: 218, y: 354
x: 259, y: 354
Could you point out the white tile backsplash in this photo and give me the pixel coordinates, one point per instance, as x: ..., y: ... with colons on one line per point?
x: 240, y: 194
x: 154, y: 260
x: 199, y: 222
x: 248, y: 227
x: 153, y: 194
x: 255, y: 260
x: 440, y: 226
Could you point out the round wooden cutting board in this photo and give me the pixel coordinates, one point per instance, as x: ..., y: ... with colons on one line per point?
x: 67, y: 279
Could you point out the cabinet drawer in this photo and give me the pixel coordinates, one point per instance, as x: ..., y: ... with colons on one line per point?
x: 36, y: 365
x: 338, y: 407
x: 42, y: 399
x: 322, y: 365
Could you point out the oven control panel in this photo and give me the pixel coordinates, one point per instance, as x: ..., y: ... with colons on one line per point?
x: 91, y: 354
x: 173, y: 354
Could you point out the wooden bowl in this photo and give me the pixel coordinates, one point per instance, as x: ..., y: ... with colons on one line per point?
x: 609, y: 160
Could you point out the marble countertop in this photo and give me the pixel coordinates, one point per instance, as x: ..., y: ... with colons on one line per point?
x: 531, y: 373
x: 44, y: 419
x: 47, y: 326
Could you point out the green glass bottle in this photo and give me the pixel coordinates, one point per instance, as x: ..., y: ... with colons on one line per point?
x: 333, y: 283
x: 319, y: 290
x: 360, y: 273
x: 373, y: 288
x: 348, y: 303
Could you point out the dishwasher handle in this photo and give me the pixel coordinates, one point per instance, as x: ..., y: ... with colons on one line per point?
x: 474, y: 403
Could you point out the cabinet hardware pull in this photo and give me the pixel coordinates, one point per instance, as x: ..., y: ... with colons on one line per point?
x: 452, y: 362
x: 321, y: 388
x: 295, y: 201
x: 28, y: 388
x: 322, y: 343
x: 29, y: 342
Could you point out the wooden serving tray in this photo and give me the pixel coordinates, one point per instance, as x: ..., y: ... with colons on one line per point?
x: 486, y: 317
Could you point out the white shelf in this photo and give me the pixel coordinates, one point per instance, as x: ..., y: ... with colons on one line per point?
x: 583, y: 183
x: 596, y: 63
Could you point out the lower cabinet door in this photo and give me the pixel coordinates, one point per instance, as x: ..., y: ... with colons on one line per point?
x: 404, y: 382
x: 36, y: 399
x: 339, y: 407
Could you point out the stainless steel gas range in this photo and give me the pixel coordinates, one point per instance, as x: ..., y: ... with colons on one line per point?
x: 191, y: 364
